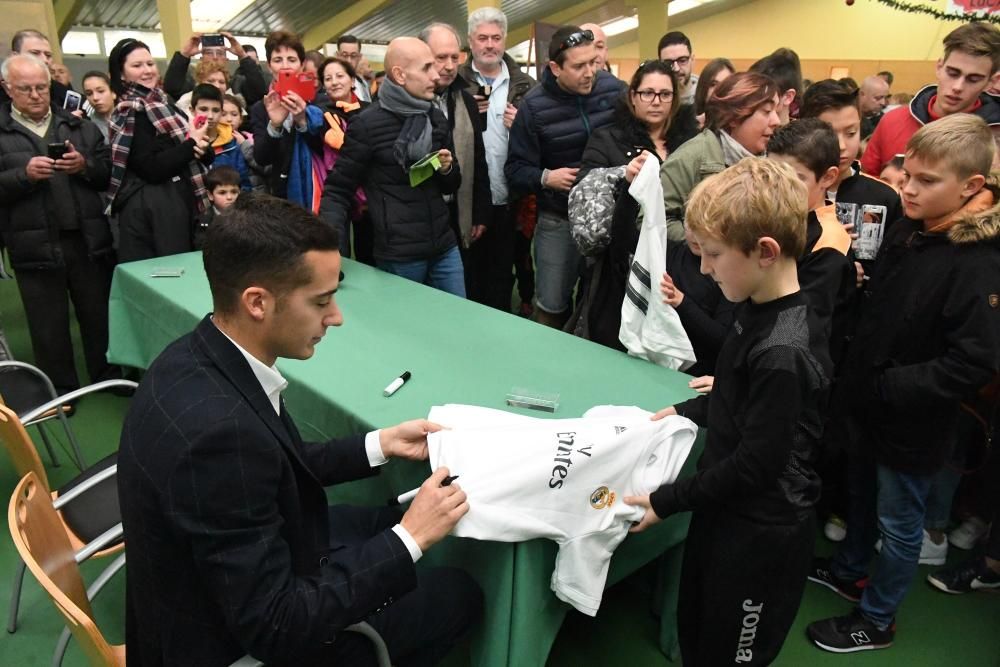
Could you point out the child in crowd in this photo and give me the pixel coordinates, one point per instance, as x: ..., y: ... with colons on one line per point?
x: 864, y: 204
x: 827, y: 273
x: 223, y: 185
x: 893, y: 174
x: 233, y: 111
x: 752, y: 530
x: 206, y: 102
x: 928, y: 337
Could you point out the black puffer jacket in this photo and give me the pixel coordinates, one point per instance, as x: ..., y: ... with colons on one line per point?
x: 410, y: 223
x: 551, y: 131
x: 928, y: 337
x: 31, y: 214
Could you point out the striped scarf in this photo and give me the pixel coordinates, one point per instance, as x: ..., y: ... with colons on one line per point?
x: 165, y: 119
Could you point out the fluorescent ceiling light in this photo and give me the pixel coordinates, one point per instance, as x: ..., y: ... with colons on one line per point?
x: 678, y: 6
x: 210, y: 15
x: 618, y: 26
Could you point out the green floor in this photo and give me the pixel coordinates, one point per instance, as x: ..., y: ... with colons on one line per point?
x: 933, y: 628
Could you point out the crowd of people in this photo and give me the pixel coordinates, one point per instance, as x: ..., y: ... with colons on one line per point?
x: 833, y: 257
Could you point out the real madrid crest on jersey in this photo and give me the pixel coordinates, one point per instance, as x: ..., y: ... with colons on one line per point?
x: 602, y: 497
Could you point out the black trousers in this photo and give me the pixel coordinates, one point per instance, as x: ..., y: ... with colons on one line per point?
x: 488, y: 261
x: 46, y: 295
x: 419, y: 628
x: 741, y: 586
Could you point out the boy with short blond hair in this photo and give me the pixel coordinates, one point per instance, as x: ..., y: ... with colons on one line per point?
x: 928, y: 337
x: 751, y: 536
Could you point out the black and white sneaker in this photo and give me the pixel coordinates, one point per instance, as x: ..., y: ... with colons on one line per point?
x: 972, y: 575
x: 821, y: 574
x: 847, y: 634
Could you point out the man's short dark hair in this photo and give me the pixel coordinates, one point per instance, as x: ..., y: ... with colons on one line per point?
x: 811, y: 141
x: 672, y: 38
x: 559, y: 37
x: 222, y: 175
x: 18, y: 40
x: 784, y: 67
x: 283, y: 38
x: 348, y: 39
x: 887, y: 75
x: 828, y: 95
x: 261, y: 240
x: 249, y: 47
x: 205, y: 91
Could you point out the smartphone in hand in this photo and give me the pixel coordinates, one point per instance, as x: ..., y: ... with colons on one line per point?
x: 199, y: 121
x: 213, y: 40
x: 73, y: 101
x: 56, y: 151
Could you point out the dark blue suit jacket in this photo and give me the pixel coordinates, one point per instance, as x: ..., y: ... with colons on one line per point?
x: 225, y: 520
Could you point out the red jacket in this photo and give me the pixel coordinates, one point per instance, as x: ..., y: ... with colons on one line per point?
x: 897, y: 126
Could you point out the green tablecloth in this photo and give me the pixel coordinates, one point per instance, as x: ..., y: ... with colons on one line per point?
x: 458, y: 352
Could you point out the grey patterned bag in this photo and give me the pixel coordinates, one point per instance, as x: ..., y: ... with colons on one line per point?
x: 592, y: 209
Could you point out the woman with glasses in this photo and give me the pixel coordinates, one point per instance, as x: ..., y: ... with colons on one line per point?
x: 650, y: 120
x: 740, y: 117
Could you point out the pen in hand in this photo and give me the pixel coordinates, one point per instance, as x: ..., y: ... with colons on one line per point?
x: 404, y: 498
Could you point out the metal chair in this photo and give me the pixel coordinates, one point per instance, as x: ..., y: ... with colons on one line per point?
x: 24, y: 388
x: 91, y: 513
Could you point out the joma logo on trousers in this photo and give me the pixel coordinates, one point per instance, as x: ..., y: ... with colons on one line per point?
x: 748, y: 633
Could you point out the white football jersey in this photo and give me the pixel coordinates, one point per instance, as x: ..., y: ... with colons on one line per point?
x: 563, y: 479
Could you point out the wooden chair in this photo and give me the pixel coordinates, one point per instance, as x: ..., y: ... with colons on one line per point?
x: 90, y: 513
x: 41, y: 539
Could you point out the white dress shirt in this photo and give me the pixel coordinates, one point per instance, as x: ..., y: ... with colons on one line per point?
x: 273, y: 383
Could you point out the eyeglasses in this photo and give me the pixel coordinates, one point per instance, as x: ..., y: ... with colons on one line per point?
x: 27, y: 90
x: 576, y: 39
x: 648, y: 96
x: 677, y: 62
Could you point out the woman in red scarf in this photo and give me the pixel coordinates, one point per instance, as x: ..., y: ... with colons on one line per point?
x: 159, y: 160
x: 337, y: 77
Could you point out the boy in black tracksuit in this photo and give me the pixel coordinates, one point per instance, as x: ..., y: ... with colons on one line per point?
x: 752, y: 528
x: 928, y: 337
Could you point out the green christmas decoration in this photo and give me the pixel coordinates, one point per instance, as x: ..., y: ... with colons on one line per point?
x: 911, y: 8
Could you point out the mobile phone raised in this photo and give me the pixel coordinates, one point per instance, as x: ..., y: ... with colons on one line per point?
x: 213, y: 39
x: 73, y: 101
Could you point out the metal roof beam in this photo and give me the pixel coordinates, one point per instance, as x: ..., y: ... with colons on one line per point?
x: 66, y: 12
x: 340, y: 23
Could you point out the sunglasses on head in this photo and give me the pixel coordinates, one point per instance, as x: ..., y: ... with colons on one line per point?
x: 576, y: 39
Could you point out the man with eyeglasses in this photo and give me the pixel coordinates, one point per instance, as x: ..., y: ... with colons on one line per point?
x: 675, y: 48
x: 349, y: 49
x: 53, y: 169
x: 547, y: 139
x: 33, y: 43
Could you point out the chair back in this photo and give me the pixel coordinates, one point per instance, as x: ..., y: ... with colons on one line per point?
x: 41, y: 540
x: 20, y: 447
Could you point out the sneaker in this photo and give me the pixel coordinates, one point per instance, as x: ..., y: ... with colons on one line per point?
x: 847, y: 634
x: 821, y: 574
x: 972, y: 575
x: 930, y: 553
x: 969, y: 533
x: 835, y: 529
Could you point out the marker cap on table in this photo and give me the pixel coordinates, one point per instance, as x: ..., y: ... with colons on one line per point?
x: 396, y: 384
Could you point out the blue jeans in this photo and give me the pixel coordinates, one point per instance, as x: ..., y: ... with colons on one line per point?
x: 557, y: 263
x: 891, y: 504
x: 939, y: 500
x: 445, y: 272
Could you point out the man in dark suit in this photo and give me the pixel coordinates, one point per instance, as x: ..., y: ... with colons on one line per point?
x: 232, y: 548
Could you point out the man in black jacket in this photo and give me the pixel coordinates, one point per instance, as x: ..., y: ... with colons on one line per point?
x: 547, y: 140
x: 471, y: 208
x: 413, y: 235
x: 233, y: 549
x: 51, y: 216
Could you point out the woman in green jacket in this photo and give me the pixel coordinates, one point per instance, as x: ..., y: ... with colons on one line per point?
x: 740, y: 118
